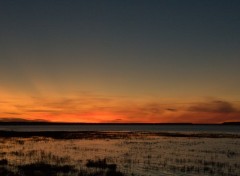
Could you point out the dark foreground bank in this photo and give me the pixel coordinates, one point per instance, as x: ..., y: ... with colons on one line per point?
x: 111, y: 135
x: 96, y: 168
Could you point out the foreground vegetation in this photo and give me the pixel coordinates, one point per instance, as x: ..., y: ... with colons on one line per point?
x: 43, y: 169
x: 119, y: 154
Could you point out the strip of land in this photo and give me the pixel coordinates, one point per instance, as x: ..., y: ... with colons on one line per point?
x: 111, y: 135
x: 3, y: 123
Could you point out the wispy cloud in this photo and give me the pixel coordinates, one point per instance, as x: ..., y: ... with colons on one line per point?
x: 214, y: 106
x: 89, y: 107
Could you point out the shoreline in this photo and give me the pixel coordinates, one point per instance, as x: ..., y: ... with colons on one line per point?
x: 111, y: 134
x: 6, y: 123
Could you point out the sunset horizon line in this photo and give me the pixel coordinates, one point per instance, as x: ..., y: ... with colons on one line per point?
x: 44, y: 122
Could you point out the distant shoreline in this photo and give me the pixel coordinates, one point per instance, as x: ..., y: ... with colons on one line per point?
x: 110, y: 134
x: 65, y: 123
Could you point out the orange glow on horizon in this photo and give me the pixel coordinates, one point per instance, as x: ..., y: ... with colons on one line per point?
x: 107, y: 109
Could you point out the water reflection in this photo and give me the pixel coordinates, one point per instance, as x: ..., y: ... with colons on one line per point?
x: 136, y: 155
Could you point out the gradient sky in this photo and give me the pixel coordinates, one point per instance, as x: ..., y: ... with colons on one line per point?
x: 120, y: 60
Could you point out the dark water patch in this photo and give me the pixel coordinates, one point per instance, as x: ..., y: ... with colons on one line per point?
x: 69, y: 135
x: 114, y: 173
x: 108, y: 135
x: 3, y: 162
x: 5, y: 172
x: 101, y: 164
x: 44, y: 169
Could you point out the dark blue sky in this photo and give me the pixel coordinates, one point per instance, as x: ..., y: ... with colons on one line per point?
x: 156, y: 48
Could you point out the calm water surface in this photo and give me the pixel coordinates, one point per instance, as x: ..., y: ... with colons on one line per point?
x: 154, y: 128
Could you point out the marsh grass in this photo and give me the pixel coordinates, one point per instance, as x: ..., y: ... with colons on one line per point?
x: 101, y: 164
x: 6, y: 172
x: 44, y: 169
x: 126, y: 154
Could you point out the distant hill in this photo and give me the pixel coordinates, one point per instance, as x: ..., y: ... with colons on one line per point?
x: 231, y: 123
x: 20, y: 120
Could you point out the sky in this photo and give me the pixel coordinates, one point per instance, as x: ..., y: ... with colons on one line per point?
x: 151, y: 61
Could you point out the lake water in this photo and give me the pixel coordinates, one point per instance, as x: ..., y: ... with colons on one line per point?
x: 153, y: 128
